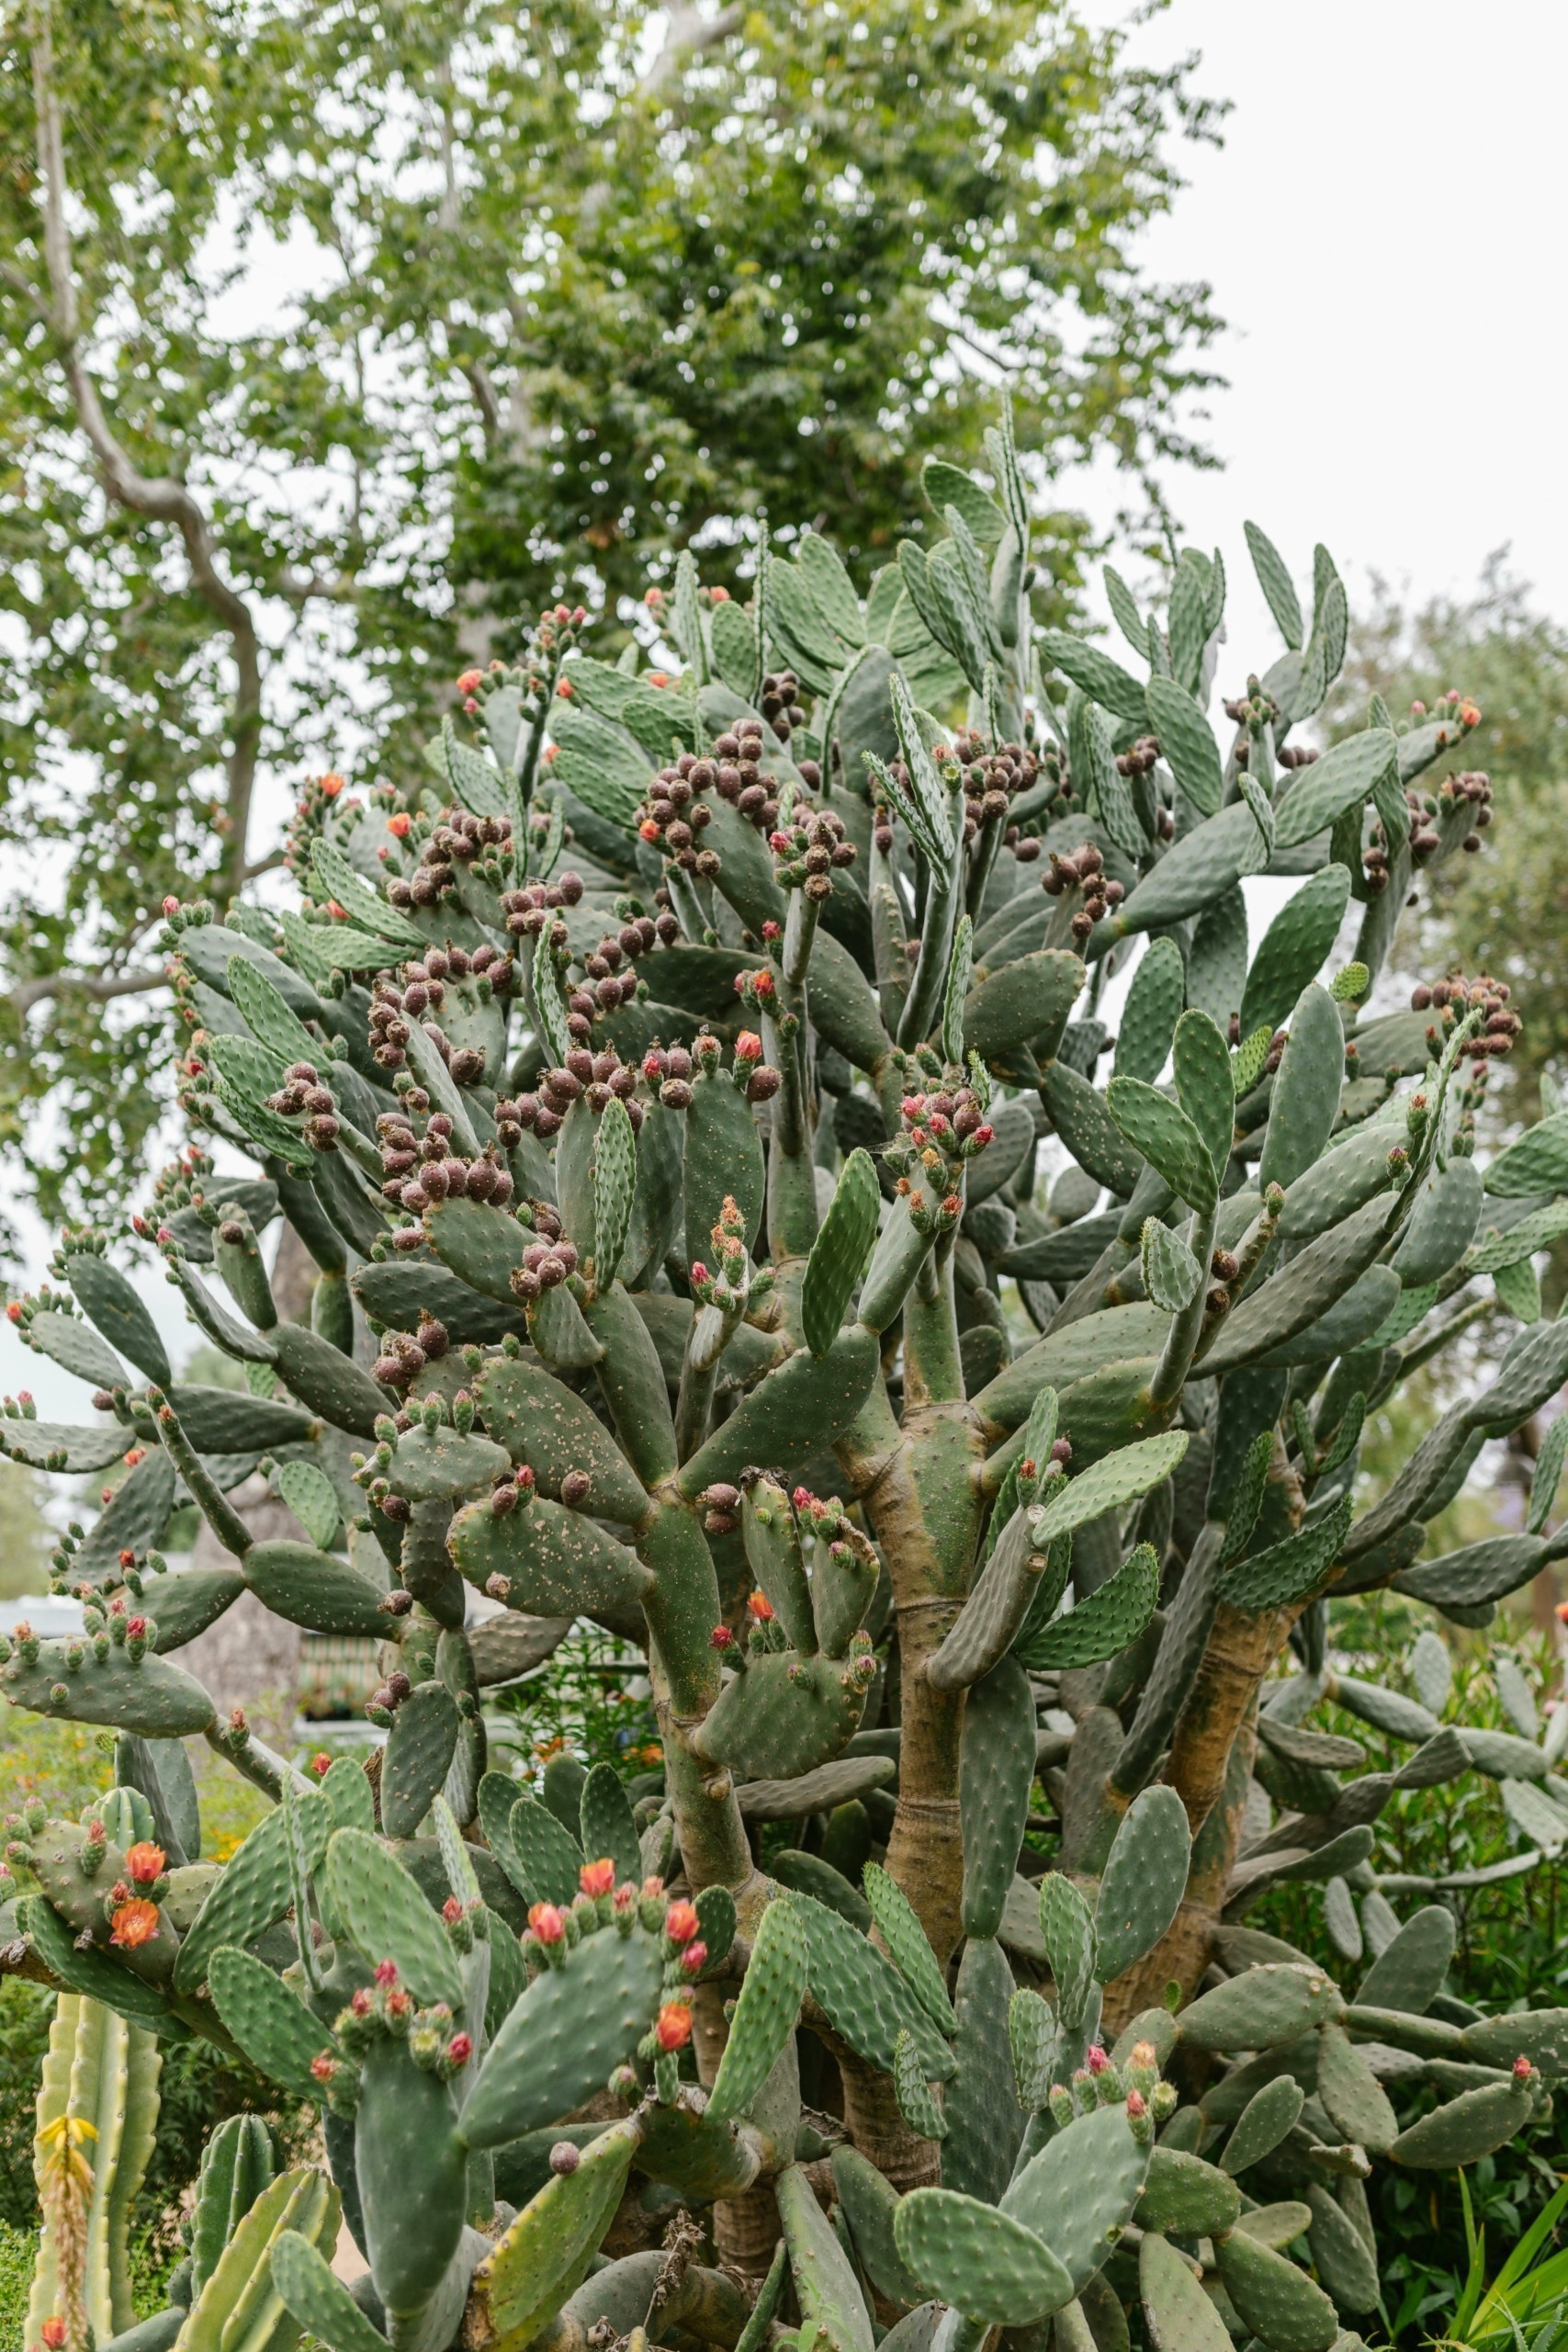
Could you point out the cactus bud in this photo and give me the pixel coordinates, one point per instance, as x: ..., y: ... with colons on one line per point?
x: 672, y: 2027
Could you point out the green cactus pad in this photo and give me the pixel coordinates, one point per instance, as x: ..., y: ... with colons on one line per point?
x: 831, y: 2304
x: 1150, y: 1013
x: 996, y: 1772
x: 1180, y: 2317
x: 995, y: 1609
x: 327, y: 1382
x: 1184, y: 2197
x: 148, y: 1695
x: 111, y: 1304
x: 545, y: 2253
x: 1268, y: 2116
x: 722, y: 1160
x: 546, y: 1855
x: 1261, y: 2009
x: 1143, y: 1881
x: 870, y: 2204
x: 1345, y: 2263
x: 556, y: 1562
x: 912, y: 2092
x: 317, y: 2298
x: 806, y: 1873
x: 979, y: 2260
x: 1303, y: 1291
x: 1465, y: 2128
x: 607, y: 1827
x: 1290, y: 1571
x: 1107, y: 1621
x: 1161, y: 1130
x: 771, y: 1541
x: 387, y: 1918
x: 783, y: 1715
x: 316, y: 1589
x: 1026, y: 1001
x: 412, y: 2176
x: 1539, y: 2035
x: 1078, y: 2193
x: 566, y: 2036
x: 1067, y: 1924
x: 1275, y: 2299
x: 1351, y: 2093
x: 1442, y: 1223
x: 980, y: 2108
x: 417, y: 1757
x: 253, y: 1891
x: 805, y: 1405
x: 863, y: 1994
x: 273, y: 2026
x: 542, y: 1423
x: 900, y: 1927
x: 766, y: 2012
x: 840, y: 1253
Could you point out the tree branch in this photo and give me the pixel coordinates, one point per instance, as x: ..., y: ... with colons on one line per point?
x: 100, y: 986
x: 687, y: 30
x: 161, y: 498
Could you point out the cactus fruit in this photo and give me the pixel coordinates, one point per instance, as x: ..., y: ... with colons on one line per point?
x: 658, y: 1086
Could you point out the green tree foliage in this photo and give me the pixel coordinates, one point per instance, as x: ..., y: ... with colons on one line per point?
x: 583, y: 285
x: 1503, y: 912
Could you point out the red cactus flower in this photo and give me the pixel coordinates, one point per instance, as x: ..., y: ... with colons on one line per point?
x: 1097, y: 2061
x: 460, y: 2050
x: 1135, y: 2105
x: 323, y: 2066
x: 400, y: 823
x: 649, y: 830
x: 546, y: 1923
x: 320, y: 1764
x: 694, y: 1959
x: 451, y: 1910
x: 747, y: 1047
x: 761, y: 1608
x: 146, y: 1862
x: 597, y: 1878
x: 386, y: 1973
x: 53, y: 2334
x: 721, y: 1637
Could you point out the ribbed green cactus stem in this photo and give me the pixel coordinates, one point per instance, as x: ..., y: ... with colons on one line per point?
x: 97, y: 2111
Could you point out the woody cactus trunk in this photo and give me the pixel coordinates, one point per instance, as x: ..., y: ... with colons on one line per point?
x: 691, y: 1097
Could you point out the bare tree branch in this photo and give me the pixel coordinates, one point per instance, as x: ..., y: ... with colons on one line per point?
x: 686, y: 30
x: 99, y: 986
x: 163, y: 497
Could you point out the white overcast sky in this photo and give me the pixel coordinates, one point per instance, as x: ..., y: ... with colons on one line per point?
x: 1383, y: 226
x: 1384, y: 229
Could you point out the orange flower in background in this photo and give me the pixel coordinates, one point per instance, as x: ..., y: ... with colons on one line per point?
x: 1470, y: 713
x: 135, y: 1923
x: 146, y: 1862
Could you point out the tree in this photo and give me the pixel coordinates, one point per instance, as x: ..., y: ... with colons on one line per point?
x: 1505, y: 911
x: 678, y: 1178
x: 579, y: 297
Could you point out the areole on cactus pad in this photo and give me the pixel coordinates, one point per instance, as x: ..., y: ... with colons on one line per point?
x: 691, y: 1098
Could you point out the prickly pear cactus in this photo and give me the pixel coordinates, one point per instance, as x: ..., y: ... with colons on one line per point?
x: 736, y: 1225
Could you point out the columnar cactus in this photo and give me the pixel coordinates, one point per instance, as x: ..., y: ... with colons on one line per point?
x: 660, y: 1091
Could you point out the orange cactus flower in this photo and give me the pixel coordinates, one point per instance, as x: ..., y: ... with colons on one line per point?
x: 134, y: 1924
x: 146, y: 1862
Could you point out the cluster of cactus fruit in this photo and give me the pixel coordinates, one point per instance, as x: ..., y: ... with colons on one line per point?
x: 661, y: 1093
